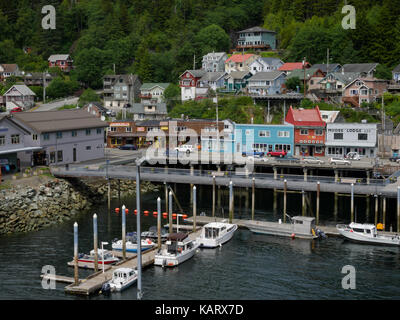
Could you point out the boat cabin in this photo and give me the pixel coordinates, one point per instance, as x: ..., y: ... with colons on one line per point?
x: 178, y: 242
x: 303, y: 225
x: 366, y: 229
x: 123, y: 273
x: 215, y: 229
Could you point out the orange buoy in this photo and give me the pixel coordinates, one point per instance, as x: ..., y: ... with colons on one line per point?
x: 185, y: 216
x: 116, y: 210
x: 293, y: 236
x: 165, y: 214
x: 126, y: 211
x: 146, y: 213
x: 174, y: 215
x: 155, y: 213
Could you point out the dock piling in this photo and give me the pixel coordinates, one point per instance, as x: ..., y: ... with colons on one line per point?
x: 303, y: 203
x: 213, y: 198
x: 352, y: 203
x: 317, y: 205
x: 159, y: 222
x: 95, y: 244
x: 170, y: 211
x: 384, y: 213
x: 376, y: 209
x: 124, y: 232
x: 284, y: 200
x: 398, y: 209
x: 138, y: 231
x: 253, y: 197
x: 230, y: 202
x: 194, y: 208
x: 76, y: 278
x: 166, y: 197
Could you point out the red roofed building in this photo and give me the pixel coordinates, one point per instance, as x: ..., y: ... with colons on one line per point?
x: 309, y: 131
x: 239, y: 62
x: 290, y: 66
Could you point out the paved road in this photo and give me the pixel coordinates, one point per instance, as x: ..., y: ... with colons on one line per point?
x: 54, y: 105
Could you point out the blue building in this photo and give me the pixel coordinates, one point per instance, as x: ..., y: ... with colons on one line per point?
x: 263, y: 138
x: 256, y: 38
x: 265, y: 83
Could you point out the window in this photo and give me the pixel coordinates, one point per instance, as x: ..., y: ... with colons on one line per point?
x: 15, y: 139
x: 113, y: 129
x: 364, y: 92
x: 318, y: 149
x: 2, y: 140
x: 338, y: 136
x: 59, y: 156
x: 34, y: 137
x: 46, y: 136
x: 264, y: 133
x: 353, y: 92
x: 59, y: 135
x: 319, y: 132
x: 74, y: 133
x: 283, y: 134
x: 304, y: 132
x: 128, y: 129
x: 99, y: 130
x: 88, y: 148
x: 52, y: 157
x: 88, y: 132
x: 362, y: 136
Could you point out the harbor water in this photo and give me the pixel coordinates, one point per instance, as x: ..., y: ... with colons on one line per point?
x: 250, y: 266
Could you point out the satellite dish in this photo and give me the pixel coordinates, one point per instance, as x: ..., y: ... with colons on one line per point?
x: 103, y: 118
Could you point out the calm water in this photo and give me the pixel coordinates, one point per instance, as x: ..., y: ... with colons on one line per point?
x: 248, y: 267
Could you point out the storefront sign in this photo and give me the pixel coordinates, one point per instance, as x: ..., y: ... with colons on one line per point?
x: 140, y: 129
x: 119, y: 124
x: 3, y: 162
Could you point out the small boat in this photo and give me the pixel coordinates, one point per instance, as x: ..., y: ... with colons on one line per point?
x: 109, y: 258
x: 366, y: 233
x: 153, y: 234
x: 122, y: 278
x: 177, y: 250
x: 215, y: 234
x: 131, y: 243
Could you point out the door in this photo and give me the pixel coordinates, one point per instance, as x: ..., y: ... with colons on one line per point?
x: 74, y: 154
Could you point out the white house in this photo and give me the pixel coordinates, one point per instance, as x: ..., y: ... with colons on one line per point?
x: 214, y: 62
x: 265, y: 65
x: 152, y: 92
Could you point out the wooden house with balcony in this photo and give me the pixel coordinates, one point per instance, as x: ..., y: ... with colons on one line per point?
x: 189, y: 83
x: 256, y: 38
x: 62, y: 61
x: 120, y: 91
x: 363, y: 90
x: 151, y: 93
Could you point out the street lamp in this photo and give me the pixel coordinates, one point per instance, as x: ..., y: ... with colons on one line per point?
x: 102, y: 251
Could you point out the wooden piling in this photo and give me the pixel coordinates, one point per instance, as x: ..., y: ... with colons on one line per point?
x: 352, y: 204
x: 170, y: 211
x: 95, y: 243
x: 109, y: 195
x: 335, y: 205
x: 76, y: 278
x: 124, y: 232
x: 303, y: 203
x: 166, y: 197
x: 376, y: 209
x: 230, y: 202
x: 368, y: 208
x: 119, y: 193
x: 194, y: 208
x: 138, y: 232
x: 398, y: 209
x: 213, y: 198
x: 253, y: 197
x: 317, y: 205
x: 284, y: 200
x: 159, y: 222
x: 384, y: 212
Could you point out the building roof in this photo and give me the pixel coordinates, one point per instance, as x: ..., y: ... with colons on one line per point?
x: 300, y: 73
x: 23, y: 89
x: 345, y: 77
x: 305, y: 117
x: 237, y: 58
x: 39, y: 75
x: 126, y: 78
x: 359, y: 67
x: 256, y: 29
x: 329, y: 116
x: 212, y: 76
x: 272, y: 61
x: 322, y: 67
x: 96, y: 104
x: 269, y: 76
x: 290, y: 66
x: 195, y: 73
x: 57, y: 57
x: 149, y: 86
x: 217, y: 55
x: 238, y: 74
x: 9, y: 67
x: 60, y: 120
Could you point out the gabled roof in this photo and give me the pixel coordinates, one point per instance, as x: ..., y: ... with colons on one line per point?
x: 126, y: 78
x: 322, y: 67
x: 238, y: 74
x: 9, y: 118
x: 269, y: 76
x: 271, y: 61
x: 9, y: 67
x: 256, y: 29
x: 365, y: 81
x: 217, y: 55
x: 237, y: 58
x: 299, y: 73
x: 57, y: 57
x: 195, y: 73
x: 212, y: 76
x: 22, y: 89
x: 359, y: 67
x: 39, y: 75
x: 305, y: 117
x: 149, y: 86
x: 345, y: 77
x: 290, y: 66
x: 60, y: 120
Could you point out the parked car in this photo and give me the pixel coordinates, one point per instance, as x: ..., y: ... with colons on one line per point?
x: 279, y: 154
x: 353, y: 156
x: 255, y: 154
x: 339, y: 161
x: 187, y: 148
x: 313, y: 160
x: 289, y: 159
x: 127, y: 147
x: 16, y: 109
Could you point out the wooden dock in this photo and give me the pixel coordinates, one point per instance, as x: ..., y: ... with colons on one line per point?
x: 58, y: 278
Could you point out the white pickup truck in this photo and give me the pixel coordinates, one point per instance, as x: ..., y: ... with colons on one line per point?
x: 187, y: 148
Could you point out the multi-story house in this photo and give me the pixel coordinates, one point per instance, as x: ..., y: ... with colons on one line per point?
x: 96, y: 109
x: 64, y: 136
x: 149, y: 111
x: 236, y: 80
x: 120, y: 90
x: 309, y: 131
x: 62, y: 61
x: 151, y: 93
x: 214, y: 62
x: 212, y: 80
x: 189, y: 84
x: 239, y: 62
x: 312, y: 76
x: 8, y: 70
x: 263, y: 138
x: 266, y: 83
x: 342, y: 138
x: 265, y: 65
x: 366, y: 70
x: 256, y: 38
x: 19, y: 95
x: 36, y: 78
x: 363, y: 90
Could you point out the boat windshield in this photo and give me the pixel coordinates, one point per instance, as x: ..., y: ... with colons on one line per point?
x: 171, y: 248
x: 211, y: 233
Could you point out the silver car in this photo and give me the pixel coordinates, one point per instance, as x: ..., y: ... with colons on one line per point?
x: 339, y: 161
x: 312, y: 160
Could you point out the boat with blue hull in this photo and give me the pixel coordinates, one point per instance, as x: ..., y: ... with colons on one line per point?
x: 131, y: 243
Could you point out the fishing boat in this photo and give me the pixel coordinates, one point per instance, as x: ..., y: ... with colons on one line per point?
x: 122, y: 278
x: 86, y: 260
x: 131, y: 243
x: 153, y: 234
x: 178, y: 249
x: 299, y: 227
x: 366, y: 233
x: 215, y: 234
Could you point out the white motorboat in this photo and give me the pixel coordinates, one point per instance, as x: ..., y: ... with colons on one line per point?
x: 215, y: 234
x: 366, y: 233
x: 176, y: 250
x: 131, y: 243
x: 88, y: 259
x: 122, y: 278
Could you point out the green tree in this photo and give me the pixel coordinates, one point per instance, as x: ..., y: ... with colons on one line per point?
x: 212, y: 38
x: 89, y: 95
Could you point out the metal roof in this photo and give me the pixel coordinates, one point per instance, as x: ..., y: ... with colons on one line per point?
x: 272, y: 75
x: 256, y: 29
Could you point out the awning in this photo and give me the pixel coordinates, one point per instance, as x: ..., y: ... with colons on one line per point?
x: 351, y: 145
x: 20, y: 150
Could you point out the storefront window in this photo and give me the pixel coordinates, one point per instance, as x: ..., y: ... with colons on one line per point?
x: 59, y: 156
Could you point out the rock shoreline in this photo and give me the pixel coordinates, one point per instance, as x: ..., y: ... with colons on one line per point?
x: 26, y: 208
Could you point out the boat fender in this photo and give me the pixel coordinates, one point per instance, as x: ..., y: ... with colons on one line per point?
x: 313, y: 232
x: 293, y: 236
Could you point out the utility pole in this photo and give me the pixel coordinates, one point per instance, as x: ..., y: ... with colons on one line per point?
x: 304, y: 67
x: 383, y: 127
x: 194, y: 62
x: 217, y: 144
x: 327, y: 62
x: 44, y: 87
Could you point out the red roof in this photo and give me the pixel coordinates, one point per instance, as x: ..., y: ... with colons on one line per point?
x: 239, y: 57
x: 290, y: 66
x: 305, y: 117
